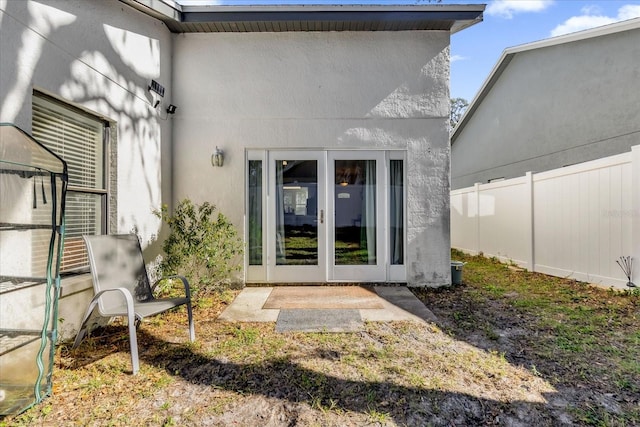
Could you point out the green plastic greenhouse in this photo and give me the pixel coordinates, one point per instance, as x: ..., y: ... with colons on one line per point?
x: 33, y: 183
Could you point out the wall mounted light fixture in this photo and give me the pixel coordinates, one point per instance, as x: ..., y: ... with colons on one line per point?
x: 171, y: 109
x: 217, y: 158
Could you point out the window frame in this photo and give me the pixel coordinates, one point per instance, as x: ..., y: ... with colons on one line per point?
x: 256, y: 272
x: 104, y: 195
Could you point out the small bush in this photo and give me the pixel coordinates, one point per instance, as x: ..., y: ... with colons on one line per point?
x: 202, y: 247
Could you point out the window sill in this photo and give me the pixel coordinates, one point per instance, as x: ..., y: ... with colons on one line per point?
x: 76, y: 283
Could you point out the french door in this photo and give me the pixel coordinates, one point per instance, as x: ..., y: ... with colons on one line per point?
x: 316, y: 216
x: 296, y: 223
x: 356, y: 221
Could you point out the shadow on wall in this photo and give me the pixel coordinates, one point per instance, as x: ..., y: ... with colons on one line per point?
x: 84, y: 54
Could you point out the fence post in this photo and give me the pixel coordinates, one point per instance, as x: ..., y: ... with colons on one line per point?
x: 635, y: 210
x: 529, y: 219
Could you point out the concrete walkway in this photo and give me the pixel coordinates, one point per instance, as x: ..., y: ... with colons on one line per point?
x: 398, y: 304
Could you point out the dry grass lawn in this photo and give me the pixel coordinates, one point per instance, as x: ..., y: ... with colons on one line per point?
x: 511, y: 348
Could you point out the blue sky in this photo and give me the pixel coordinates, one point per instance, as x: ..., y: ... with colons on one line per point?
x: 507, y: 23
x: 476, y: 50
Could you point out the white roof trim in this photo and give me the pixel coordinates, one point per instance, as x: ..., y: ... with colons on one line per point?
x: 178, y: 7
x: 604, y: 30
x: 335, y: 7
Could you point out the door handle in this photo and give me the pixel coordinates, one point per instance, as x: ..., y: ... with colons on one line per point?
x: 321, y: 216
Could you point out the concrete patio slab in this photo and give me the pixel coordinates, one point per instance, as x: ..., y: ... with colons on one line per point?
x: 329, y: 297
x: 398, y: 304
x: 247, y: 307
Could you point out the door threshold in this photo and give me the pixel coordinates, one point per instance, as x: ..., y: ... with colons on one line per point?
x: 266, y: 284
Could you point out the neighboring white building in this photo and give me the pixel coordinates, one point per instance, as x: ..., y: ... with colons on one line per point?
x: 545, y: 163
x: 550, y: 104
x: 333, y: 121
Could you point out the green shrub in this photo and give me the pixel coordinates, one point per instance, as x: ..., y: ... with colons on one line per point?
x: 201, y: 246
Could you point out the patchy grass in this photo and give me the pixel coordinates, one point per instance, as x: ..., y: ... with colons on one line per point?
x: 584, y: 340
x: 511, y: 348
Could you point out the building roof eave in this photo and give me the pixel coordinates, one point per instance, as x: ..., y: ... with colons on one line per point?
x: 257, y: 18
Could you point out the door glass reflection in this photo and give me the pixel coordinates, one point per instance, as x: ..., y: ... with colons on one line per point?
x: 296, y: 212
x: 355, y: 212
x: 255, y: 212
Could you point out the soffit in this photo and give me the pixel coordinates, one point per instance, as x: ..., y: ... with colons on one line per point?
x: 208, y: 19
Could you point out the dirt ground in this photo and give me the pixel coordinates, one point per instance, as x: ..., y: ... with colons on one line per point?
x: 493, y: 358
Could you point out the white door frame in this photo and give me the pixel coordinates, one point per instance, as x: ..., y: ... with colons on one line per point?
x: 361, y: 272
x: 296, y: 273
x: 326, y: 270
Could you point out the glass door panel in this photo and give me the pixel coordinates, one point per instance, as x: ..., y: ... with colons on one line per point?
x: 296, y: 234
x: 254, y: 212
x: 396, y: 212
x: 356, y: 246
x: 296, y: 212
x: 355, y: 212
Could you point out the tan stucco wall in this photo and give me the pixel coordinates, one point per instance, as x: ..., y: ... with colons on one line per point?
x: 100, y: 55
x: 387, y: 90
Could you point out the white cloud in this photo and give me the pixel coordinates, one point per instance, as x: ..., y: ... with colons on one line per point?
x: 579, y: 23
x: 629, y: 11
x: 455, y: 58
x: 588, y: 20
x: 591, y: 9
x: 507, y: 8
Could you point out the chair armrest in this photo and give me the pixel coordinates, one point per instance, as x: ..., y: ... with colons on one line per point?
x: 125, y: 293
x: 185, y: 282
x: 82, y: 331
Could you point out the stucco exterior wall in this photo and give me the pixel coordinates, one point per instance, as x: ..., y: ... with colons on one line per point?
x: 100, y: 55
x: 383, y: 90
x: 552, y: 107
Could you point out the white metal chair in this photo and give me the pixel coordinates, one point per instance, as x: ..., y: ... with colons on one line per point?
x: 122, y: 288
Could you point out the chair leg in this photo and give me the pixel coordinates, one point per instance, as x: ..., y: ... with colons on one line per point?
x: 80, y: 336
x: 132, y: 320
x: 82, y: 331
x: 133, y: 341
x: 192, y: 331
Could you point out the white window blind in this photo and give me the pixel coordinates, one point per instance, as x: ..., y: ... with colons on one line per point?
x: 78, y: 138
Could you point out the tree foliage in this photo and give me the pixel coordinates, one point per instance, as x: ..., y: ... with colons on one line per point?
x: 458, y: 107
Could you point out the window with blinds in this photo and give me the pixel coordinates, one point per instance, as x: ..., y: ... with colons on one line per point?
x: 79, y: 139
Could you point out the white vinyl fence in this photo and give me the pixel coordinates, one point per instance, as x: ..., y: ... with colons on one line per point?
x: 570, y: 222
